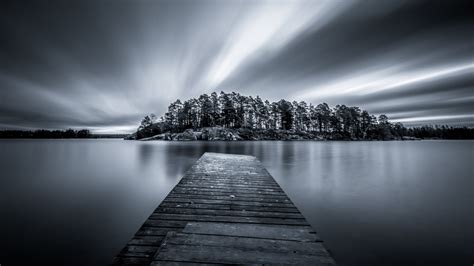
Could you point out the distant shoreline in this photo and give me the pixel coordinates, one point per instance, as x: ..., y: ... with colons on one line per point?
x: 56, y: 134
x: 121, y: 137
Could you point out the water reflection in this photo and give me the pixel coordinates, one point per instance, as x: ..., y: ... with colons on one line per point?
x: 146, y: 153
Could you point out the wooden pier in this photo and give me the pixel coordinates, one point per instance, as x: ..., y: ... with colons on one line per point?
x: 226, y: 209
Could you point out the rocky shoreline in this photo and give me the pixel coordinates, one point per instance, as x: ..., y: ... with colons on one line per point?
x: 229, y: 134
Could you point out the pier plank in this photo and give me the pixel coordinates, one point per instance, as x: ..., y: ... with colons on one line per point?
x: 243, y: 213
x: 305, y: 234
x: 229, y: 207
x: 200, y: 248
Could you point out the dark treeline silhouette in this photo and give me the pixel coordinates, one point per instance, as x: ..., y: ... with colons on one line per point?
x: 441, y: 132
x: 46, y: 134
x: 235, y: 111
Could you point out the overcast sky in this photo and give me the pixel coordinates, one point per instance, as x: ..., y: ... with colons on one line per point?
x: 104, y: 64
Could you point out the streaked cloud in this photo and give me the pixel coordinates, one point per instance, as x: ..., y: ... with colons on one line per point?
x: 390, y: 78
x: 268, y: 27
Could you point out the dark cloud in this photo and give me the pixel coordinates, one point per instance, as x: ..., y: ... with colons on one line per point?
x: 104, y: 64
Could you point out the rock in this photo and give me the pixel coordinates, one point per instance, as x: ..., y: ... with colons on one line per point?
x: 163, y: 136
x: 218, y: 133
x: 409, y: 138
x: 188, y: 134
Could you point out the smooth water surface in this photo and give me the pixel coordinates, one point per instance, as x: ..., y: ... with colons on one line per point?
x: 373, y: 203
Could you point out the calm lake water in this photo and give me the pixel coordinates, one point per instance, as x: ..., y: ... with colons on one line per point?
x: 373, y: 203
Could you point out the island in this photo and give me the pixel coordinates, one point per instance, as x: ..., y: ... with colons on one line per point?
x: 232, y: 116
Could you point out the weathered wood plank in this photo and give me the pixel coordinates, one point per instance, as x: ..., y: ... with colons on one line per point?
x: 229, y: 197
x: 229, y: 201
x: 263, y: 245
x: 305, y: 234
x: 130, y: 260
x: 138, y: 251
x: 234, y: 194
x: 241, y: 250
x: 210, y: 182
x: 229, y: 219
x: 243, y: 213
x: 157, y: 230
x: 164, y: 224
x: 234, y: 180
x: 227, y: 189
x: 147, y: 240
x: 228, y: 207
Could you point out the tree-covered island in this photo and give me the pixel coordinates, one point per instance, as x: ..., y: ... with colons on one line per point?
x: 232, y: 116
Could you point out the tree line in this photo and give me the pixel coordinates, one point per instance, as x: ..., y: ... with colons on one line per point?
x: 233, y: 110
x: 46, y: 134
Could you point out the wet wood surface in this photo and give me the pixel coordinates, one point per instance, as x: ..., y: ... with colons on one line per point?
x: 226, y: 209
